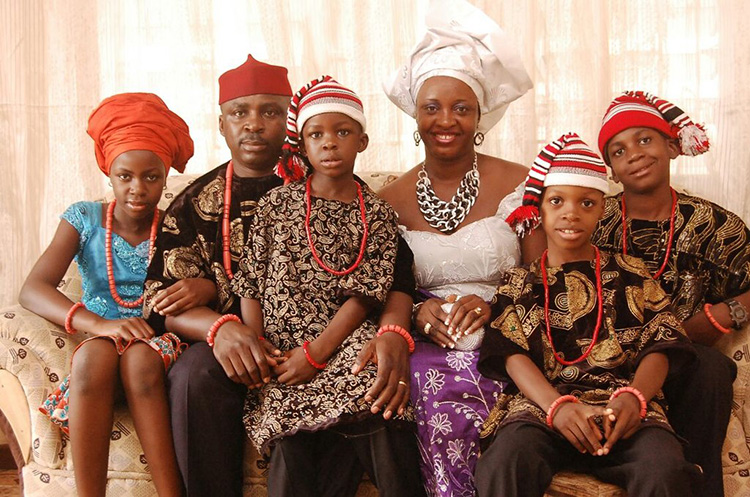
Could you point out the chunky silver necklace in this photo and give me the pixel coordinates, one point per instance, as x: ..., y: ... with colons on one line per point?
x: 442, y: 215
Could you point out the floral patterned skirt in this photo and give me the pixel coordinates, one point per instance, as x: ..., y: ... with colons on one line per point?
x: 451, y: 401
x: 168, y: 346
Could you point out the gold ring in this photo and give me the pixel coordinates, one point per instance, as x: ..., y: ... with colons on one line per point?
x: 402, y: 382
x: 478, y: 311
x: 427, y: 328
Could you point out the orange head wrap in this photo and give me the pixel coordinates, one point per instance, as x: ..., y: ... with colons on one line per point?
x: 139, y: 121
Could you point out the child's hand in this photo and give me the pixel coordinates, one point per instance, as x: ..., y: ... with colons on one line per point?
x: 184, y: 295
x: 576, y: 423
x: 622, y: 418
x: 125, y: 328
x: 274, y: 356
x: 295, y: 369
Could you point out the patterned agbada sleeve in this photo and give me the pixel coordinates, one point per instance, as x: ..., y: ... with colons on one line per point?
x: 505, y: 335
x: 661, y: 330
x: 403, y: 273
x: 181, y: 251
x: 729, y: 250
x: 250, y: 276
x: 374, y: 275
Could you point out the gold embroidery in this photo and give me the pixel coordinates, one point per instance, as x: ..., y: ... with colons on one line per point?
x: 170, y: 225
x: 510, y: 326
x: 181, y: 263
x: 634, y: 299
x: 209, y: 203
x: 248, y: 208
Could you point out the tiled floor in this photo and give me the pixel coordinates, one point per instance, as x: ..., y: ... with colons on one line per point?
x: 8, y: 474
x: 9, y: 483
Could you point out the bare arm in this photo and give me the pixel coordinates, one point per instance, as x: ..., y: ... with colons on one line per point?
x: 297, y: 369
x: 347, y: 319
x: 40, y: 295
x: 700, y: 330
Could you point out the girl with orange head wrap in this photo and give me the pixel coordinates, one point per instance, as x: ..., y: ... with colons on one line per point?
x: 137, y: 139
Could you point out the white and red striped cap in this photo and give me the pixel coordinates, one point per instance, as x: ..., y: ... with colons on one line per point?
x: 640, y: 109
x: 320, y: 96
x: 567, y: 161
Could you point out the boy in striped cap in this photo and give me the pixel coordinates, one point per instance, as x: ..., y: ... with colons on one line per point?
x: 696, y: 250
x: 314, y: 276
x: 588, y: 339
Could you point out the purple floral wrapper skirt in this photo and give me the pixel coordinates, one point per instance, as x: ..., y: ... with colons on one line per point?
x: 451, y: 400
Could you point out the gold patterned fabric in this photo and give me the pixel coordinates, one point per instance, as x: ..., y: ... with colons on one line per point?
x: 636, y: 322
x: 189, y: 243
x: 710, y: 257
x: 299, y: 299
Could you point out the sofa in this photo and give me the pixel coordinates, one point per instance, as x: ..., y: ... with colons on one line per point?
x: 35, y: 355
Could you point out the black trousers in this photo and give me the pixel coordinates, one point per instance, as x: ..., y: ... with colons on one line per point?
x: 330, y: 463
x: 523, y: 458
x: 700, y: 401
x: 209, y: 436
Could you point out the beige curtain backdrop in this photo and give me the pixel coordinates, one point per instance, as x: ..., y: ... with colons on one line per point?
x: 58, y: 59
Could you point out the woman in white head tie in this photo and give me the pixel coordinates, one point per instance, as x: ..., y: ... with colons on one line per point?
x: 457, y: 84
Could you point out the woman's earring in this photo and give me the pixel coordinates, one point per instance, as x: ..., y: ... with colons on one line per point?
x: 478, y: 138
x: 417, y: 138
x: 109, y: 183
x: 165, y: 186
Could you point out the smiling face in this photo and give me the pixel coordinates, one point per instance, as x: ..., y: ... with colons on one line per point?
x: 447, y: 117
x: 331, y: 142
x: 137, y: 178
x: 569, y: 217
x: 254, y: 127
x: 640, y: 159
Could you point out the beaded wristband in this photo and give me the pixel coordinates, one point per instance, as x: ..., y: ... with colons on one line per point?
x: 69, y: 317
x: 635, y: 392
x: 712, y: 319
x: 214, y: 329
x: 310, y: 359
x: 554, y: 406
x: 401, y: 331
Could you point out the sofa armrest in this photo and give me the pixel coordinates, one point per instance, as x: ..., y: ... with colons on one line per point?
x: 35, y: 356
x: 48, y: 341
x: 736, y: 452
x: 16, y: 421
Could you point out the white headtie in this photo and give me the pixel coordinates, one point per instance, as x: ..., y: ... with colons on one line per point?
x: 464, y: 43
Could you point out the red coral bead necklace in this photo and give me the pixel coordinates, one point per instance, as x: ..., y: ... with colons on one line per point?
x: 129, y: 304
x: 308, y: 230
x: 671, y: 232
x: 227, y: 256
x: 600, y: 309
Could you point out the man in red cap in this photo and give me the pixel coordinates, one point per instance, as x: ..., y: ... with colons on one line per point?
x: 197, y: 251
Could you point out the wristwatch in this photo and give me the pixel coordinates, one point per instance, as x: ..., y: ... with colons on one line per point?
x: 738, y: 313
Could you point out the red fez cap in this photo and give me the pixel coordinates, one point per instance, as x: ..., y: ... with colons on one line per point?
x: 139, y: 121
x: 253, y: 78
